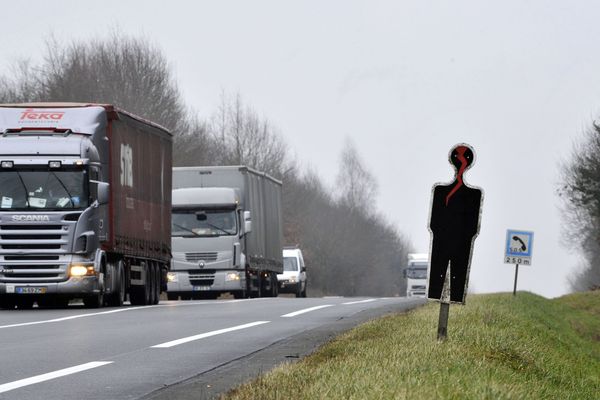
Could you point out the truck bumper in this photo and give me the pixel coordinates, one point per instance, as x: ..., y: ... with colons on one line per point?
x: 73, y: 286
x: 416, y: 293
x: 186, y: 282
x: 288, y: 287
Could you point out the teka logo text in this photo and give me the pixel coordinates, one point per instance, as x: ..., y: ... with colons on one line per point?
x: 40, y: 115
x: 31, y: 218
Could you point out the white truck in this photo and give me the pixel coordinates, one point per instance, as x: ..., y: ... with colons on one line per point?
x: 416, y: 275
x: 226, y: 233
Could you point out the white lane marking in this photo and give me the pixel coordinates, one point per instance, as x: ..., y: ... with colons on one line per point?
x: 293, y: 314
x: 207, y: 334
x: 359, y: 302
x: 49, y: 321
x: 51, y: 375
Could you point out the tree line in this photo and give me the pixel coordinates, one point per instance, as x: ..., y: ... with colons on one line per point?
x: 349, y: 247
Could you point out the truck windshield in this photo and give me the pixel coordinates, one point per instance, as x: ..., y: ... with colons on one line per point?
x: 189, y: 223
x: 290, y: 264
x: 48, y: 189
x: 416, y: 273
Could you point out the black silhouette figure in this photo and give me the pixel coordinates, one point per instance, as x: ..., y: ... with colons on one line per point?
x: 454, y: 224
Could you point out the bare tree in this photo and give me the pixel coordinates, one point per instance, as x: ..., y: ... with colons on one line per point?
x: 358, y: 186
x: 243, y: 137
x: 127, y: 71
x: 580, y: 190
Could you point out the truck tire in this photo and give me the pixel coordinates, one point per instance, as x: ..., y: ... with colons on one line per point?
x: 157, y: 283
x: 118, y: 296
x: 172, y: 296
x: 96, y: 300
x: 24, y: 303
x: 274, y: 292
x: 152, y: 282
x: 7, y: 302
x: 299, y: 290
x: 139, y: 295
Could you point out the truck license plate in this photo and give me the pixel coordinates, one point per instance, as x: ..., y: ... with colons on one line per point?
x: 30, y: 289
x: 199, y: 288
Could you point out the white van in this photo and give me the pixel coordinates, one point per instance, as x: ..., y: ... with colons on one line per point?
x: 293, y: 279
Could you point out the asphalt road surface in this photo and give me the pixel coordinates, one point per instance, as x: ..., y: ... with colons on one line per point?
x: 175, y: 350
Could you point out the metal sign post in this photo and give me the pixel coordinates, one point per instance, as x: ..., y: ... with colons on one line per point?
x: 518, y: 250
x: 454, y: 225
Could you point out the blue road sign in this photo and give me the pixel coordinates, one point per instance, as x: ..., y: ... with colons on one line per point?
x: 519, y: 246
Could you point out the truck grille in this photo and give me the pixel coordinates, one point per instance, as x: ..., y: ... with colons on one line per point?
x: 195, y: 257
x: 33, y: 237
x: 204, y: 278
x: 32, y: 252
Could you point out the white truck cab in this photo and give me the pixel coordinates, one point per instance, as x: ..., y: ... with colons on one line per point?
x: 293, y: 278
x: 416, y: 275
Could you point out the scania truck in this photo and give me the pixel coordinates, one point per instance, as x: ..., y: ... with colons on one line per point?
x: 85, y: 206
x: 416, y: 275
x: 226, y: 233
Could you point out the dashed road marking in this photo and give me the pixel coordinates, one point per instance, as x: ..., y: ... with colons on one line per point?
x: 207, y: 334
x: 359, y: 302
x: 293, y: 314
x: 51, y: 375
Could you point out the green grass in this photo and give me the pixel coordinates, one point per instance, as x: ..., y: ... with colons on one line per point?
x: 498, y: 347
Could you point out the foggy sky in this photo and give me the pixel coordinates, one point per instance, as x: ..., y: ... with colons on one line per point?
x: 519, y: 81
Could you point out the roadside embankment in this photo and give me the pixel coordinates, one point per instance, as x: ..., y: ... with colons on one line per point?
x: 498, y: 347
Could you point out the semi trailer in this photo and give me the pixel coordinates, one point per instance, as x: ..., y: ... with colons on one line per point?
x: 85, y: 205
x: 226, y: 233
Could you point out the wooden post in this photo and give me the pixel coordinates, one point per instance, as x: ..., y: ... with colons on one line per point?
x: 516, y: 275
x: 444, y: 308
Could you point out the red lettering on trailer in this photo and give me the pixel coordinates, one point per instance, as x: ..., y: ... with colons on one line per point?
x: 32, y: 114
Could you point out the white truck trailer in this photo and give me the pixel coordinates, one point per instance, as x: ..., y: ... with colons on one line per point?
x: 416, y: 275
x: 226, y: 233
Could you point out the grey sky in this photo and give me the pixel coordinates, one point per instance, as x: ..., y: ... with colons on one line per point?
x: 518, y: 80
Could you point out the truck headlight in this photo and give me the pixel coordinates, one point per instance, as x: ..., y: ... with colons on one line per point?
x: 172, y: 277
x: 293, y: 279
x: 78, y: 270
x: 232, y: 276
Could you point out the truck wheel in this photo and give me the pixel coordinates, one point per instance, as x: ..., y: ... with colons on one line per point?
x: 239, y: 294
x: 7, y: 303
x: 304, y: 291
x: 172, y: 296
x: 96, y: 300
x: 118, y: 296
x: 157, y: 283
x: 24, y: 303
x: 139, y: 295
x: 152, y: 282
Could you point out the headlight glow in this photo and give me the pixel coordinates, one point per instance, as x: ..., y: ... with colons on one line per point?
x: 293, y: 279
x: 172, y: 277
x: 232, y: 276
x: 78, y: 270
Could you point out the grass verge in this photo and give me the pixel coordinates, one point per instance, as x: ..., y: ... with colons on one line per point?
x: 499, y: 347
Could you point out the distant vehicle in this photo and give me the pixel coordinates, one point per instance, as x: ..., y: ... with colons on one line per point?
x: 293, y: 278
x: 226, y: 233
x: 416, y: 275
x: 85, y: 205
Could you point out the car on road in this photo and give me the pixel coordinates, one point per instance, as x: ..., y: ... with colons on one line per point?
x: 293, y: 278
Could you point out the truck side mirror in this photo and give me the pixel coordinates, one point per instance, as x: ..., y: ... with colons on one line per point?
x: 103, y: 192
x: 247, y: 222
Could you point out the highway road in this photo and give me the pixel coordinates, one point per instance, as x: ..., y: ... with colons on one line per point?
x: 167, y: 350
